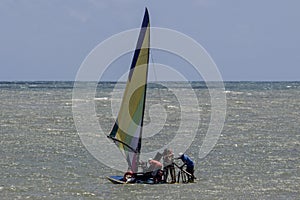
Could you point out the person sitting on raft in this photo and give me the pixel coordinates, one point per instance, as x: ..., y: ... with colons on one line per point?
x: 155, y: 169
x: 129, y: 177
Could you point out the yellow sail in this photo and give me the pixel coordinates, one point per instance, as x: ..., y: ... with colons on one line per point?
x: 127, y: 130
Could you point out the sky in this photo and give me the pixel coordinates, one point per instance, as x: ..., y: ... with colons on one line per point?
x: 248, y: 40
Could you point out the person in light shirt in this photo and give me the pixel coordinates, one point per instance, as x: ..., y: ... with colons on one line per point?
x: 168, y: 161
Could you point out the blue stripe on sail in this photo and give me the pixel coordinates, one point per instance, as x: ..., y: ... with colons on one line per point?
x: 114, y: 130
x: 139, y: 43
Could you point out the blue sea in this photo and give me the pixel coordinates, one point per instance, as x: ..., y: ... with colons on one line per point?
x: 257, y: 155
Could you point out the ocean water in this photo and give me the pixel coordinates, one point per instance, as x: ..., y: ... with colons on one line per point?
x: 256, y: 156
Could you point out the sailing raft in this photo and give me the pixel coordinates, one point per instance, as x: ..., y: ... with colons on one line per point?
x: 127, y: 130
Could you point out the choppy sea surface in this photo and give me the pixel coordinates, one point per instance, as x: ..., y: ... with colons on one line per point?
x: 257, y: 155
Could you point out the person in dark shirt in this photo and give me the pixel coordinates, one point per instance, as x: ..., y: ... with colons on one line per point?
x: 189, y: 165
